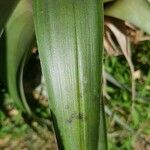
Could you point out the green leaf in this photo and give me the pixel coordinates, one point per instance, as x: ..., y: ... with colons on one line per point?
x: 135, y: 117
x: 70, y: 41
x: 6, y: 8
x: 136, y: 12
x: 15, y: 46
x: 102, y: 129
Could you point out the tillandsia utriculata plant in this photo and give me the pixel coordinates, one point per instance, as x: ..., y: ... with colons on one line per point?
x: 70, y: 42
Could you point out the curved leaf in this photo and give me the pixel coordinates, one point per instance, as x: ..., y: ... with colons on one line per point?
x: 18, y: 36
x: 136, y: 12
x: 6, y: 8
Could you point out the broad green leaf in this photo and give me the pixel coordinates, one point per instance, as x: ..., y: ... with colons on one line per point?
x: 136, y: 12
x: 17, y: 39
x: 70, y: 41
x: 6, y: 8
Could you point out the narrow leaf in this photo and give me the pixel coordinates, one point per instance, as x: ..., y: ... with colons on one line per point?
x: 6, y: 8
x: 17, y: 39
x: 102, y: 129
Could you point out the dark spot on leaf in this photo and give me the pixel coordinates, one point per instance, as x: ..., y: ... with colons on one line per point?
x: 80, y: 116
x: 75, y: 116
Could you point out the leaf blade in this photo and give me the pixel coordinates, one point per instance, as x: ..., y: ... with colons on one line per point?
x: 19, y: 36
x: 68, y: 35
x: 135, y: 11
x: 4, y: 15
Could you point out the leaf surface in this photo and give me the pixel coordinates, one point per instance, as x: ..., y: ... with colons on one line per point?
x: 6, y: 8
x: 136, y: 12
x: 16, y: 42
x: 70, y: 41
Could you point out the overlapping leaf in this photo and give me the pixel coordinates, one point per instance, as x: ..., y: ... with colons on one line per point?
x: 136, y: 12
x: 6, y: 8
x: 16, y: 42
